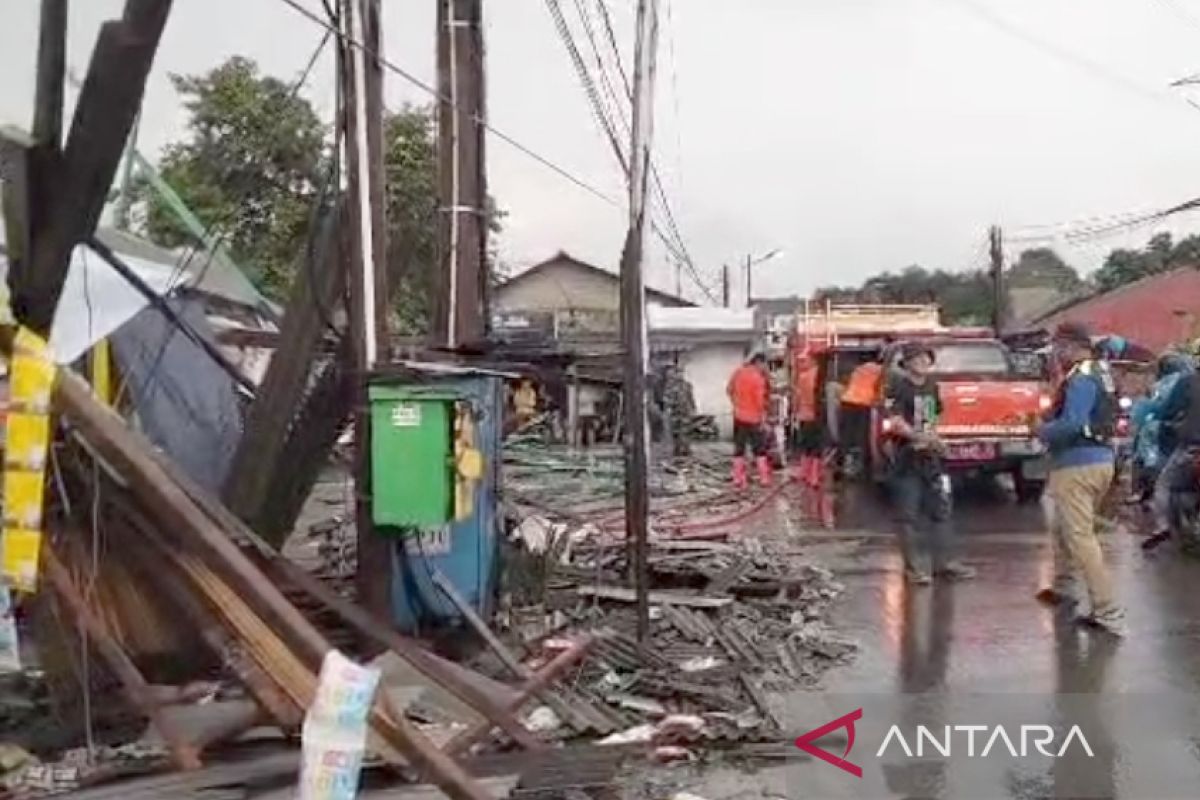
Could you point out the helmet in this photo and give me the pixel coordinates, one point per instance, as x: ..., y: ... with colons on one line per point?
x: 1170, y: 363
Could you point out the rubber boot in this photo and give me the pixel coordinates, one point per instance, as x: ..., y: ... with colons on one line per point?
x: 813, y: 475
x: 764, y: 471
x: 740, y: 479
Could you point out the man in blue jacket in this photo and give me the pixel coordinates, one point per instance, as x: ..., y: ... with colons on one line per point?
x: 1079, y: 435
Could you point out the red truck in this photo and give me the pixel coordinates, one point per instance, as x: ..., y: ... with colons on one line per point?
x: 988, y: 408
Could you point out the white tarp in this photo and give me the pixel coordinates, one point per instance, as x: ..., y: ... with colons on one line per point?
x: 96, y: 300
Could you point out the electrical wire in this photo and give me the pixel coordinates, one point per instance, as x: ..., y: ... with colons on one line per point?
x: 589, y: 86
x: 214, y: 245
x: 399, y: 71
x: 671, y: 237
x: 1094, y: 68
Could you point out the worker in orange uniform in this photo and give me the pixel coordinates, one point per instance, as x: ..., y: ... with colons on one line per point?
x: 862, y: 392
x: 807, y: 430
x: 750, y: 390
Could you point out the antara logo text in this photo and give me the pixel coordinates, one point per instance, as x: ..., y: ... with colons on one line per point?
x: 972, y: 741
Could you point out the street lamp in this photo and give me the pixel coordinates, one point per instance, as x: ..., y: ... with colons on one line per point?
x: 752, y: 262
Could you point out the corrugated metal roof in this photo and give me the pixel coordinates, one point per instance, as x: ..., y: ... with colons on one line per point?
x: 1155, y: 312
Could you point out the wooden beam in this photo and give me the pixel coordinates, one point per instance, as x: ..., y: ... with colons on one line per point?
x: 150, y: 563
x: 51, y: 75
x: 226, y: 567
x: 257, y: 464
x: 137, y: 691
x: 75, y: 192
x: 540, y: 681
x: 369, y: 626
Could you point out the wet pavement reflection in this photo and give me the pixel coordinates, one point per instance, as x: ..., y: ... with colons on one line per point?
x: 938, y: 655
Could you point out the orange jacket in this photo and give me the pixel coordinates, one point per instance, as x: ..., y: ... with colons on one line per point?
x: 863, y: 387
x: 749, y: 390
x: 804, y: 393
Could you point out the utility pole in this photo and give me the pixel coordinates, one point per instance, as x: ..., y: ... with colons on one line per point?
x: 749, y: 271
x: 633, y: 313
x: 460, y: 313
x: 366, y: 262
x: 725, y: 285
x: 996, y: 273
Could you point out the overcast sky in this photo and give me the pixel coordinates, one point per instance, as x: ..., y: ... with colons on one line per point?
x: 857, y: 135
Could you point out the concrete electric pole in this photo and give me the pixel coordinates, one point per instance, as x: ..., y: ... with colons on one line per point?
x: 460, y: 313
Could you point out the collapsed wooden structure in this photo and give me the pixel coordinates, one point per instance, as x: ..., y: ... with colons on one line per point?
x: 227, y: 583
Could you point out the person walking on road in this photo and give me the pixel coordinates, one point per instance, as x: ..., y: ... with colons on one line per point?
x: 749, y: 390
x: 1078, y: 434
x: 920, y: 485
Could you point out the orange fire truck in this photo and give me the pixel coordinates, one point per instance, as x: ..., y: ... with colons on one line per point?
x: 988, y: 406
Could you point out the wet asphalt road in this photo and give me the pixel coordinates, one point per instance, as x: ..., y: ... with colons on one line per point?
x: 986, y: 653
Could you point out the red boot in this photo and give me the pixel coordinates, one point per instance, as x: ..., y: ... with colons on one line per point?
x: 814, y: 471
x: 764, y: 471
x: 740, y: 479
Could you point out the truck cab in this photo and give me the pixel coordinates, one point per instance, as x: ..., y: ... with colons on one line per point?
x: 988, y: 410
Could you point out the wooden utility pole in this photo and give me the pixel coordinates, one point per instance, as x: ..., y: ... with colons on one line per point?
x: 53, y: 197
x: 460, y: 313
x: 996, y: 273
x: 633, y: 313
x: 51, y: 74
x: 366, y: 273
x: 749, y: 285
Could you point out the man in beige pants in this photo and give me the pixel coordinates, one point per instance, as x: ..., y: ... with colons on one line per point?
x: 1079, y: 434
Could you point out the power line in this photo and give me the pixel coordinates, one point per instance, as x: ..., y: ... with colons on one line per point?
x: 676, y: 247
x: 1094, y: 68
x: 672, y: 238
x: 399, y: 71
x: 589, y: 86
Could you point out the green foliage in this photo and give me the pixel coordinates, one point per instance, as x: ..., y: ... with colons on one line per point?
x: 251, y: 167
x: 248, y: 167
x: 1161, y: 254
x: 1042, y: 267
x: 965, y: 297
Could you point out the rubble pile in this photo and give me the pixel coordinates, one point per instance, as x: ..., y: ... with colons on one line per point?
x: 734, y: 616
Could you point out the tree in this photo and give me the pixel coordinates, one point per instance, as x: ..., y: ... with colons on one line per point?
x: 252, y: 166
x: 965, y: 298
x: 249, y: 167
x: 1042, y: 267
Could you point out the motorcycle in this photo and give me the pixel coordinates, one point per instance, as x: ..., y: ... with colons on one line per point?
x: 1185, y: 506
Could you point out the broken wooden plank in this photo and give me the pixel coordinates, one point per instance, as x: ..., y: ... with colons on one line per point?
x: 141, y: 467
x: 183, y: 753
x: 445, y: 674
x: 315, y: 297
x: 622, y: 595
x: 540, y: 681
x: 108, y: 103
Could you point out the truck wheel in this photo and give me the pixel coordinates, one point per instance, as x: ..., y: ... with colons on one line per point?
x: 1028, y: 490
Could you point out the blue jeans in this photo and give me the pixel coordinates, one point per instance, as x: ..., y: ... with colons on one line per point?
x: 924, y: 506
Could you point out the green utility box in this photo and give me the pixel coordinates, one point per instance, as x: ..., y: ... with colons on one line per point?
x: 412, y: 456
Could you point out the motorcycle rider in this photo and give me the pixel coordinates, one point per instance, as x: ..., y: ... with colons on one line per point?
x: 1154, y: 437
x: 1181, y: 417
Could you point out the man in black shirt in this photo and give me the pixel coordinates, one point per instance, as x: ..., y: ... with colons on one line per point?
x: 919, y: 481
